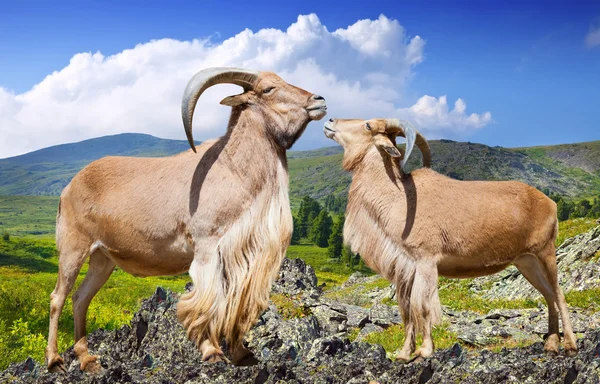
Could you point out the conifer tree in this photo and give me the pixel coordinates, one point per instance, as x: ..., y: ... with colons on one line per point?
x: 296, y: 233
x: 336, y: 240
x: 321, y: 229
x: 564, y: 209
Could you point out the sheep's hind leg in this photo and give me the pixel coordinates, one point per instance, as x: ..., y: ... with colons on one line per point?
x: 531, y: 268
x: 100, y: 269
x: 549, y: 263
x: 71, y: 258
x: 547, y: 259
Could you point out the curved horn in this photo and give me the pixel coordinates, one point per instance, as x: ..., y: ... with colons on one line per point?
x: 413, y: 136
x: 205, y: 79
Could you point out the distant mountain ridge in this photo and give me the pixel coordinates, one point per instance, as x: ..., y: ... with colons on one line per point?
x: 124, y: 144
x: 569, y: 169
x: 47, y: 171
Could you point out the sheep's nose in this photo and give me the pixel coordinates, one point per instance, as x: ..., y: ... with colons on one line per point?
x: 317, y: 97
x: 331, y: 120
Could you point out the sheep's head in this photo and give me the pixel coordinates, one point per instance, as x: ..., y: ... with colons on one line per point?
x: 286, y: 109
x: 357, y: 137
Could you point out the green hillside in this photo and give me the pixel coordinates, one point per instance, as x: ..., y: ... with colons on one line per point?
x: 541, y: 167
x: 571, y: 170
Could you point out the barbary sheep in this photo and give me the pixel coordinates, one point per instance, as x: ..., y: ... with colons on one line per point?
x: 412, y: 227
x: 222, y: 214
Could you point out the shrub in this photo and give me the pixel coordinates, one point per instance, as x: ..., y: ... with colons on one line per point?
x: 6, y: 236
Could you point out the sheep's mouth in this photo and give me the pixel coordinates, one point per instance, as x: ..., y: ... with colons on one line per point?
x: 317, y: 112
x: 328, y: 131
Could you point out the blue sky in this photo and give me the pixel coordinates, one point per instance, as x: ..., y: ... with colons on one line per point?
x: 526, y: 63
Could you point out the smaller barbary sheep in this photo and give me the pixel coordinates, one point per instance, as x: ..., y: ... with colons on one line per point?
x: 411, y: 228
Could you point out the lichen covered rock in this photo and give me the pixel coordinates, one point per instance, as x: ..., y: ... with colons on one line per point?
x: 315, y: 348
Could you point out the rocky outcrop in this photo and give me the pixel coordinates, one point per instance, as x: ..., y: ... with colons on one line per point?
x: 578, y: 260
x: 522, y: 325
x: 315, y: 348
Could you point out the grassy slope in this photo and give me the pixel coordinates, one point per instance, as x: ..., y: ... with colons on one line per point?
x: 33, y: 215
x: 322, y: 174
x: 28, y: 268
x: 581, y: 155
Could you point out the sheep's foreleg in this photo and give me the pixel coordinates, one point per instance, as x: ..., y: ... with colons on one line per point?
x: 425, y: 305
x: 240, y: 355
x: 409, y: 342
x: 403, y: 289
x: 201, y: 311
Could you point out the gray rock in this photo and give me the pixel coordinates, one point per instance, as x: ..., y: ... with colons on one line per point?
x: 329, y: 319
x: 384, y: 315
x: 355, y: 278
x: 368, y: 329
x: 280, y: 340
x: 357, y: 316
x: 296, y: 277
x: 154, y: 348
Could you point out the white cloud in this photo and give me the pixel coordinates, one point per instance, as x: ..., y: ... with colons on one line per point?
x: 361, y: 70
x: 592, y: 39
x: 434, y: 115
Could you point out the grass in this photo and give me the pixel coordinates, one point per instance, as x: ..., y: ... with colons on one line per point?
x: 330, y: 272
x: 573, y: 227
x: 28, y: 268
x: 288, y: 307
x: 355, y: 294
x: 455, y: 294
x: 29, y: 264
x: 589, y: 298
x: 392, y: 337
x: 28, y: 215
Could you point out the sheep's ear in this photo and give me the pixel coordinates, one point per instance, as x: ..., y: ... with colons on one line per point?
x: 384, y: 142
x: 235, y: 100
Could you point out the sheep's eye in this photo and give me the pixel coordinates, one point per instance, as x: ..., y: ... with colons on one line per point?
x: 368, y: 127
x: 267, y: 90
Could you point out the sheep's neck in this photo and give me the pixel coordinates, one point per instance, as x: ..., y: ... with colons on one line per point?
x: 377, y: 170
x: 250, y: 151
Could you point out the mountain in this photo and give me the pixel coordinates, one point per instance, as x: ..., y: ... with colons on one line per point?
x: 569, y: 169
x: 47, y: 171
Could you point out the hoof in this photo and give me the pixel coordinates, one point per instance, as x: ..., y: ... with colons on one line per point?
x: 215, y: 358
x: 551, y: 345
x: 402, y: 357
x: 418, y: 359
x: 423, y: 353
x: 57, y: 365
x: 90, y: 364
x: 571, y: 352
